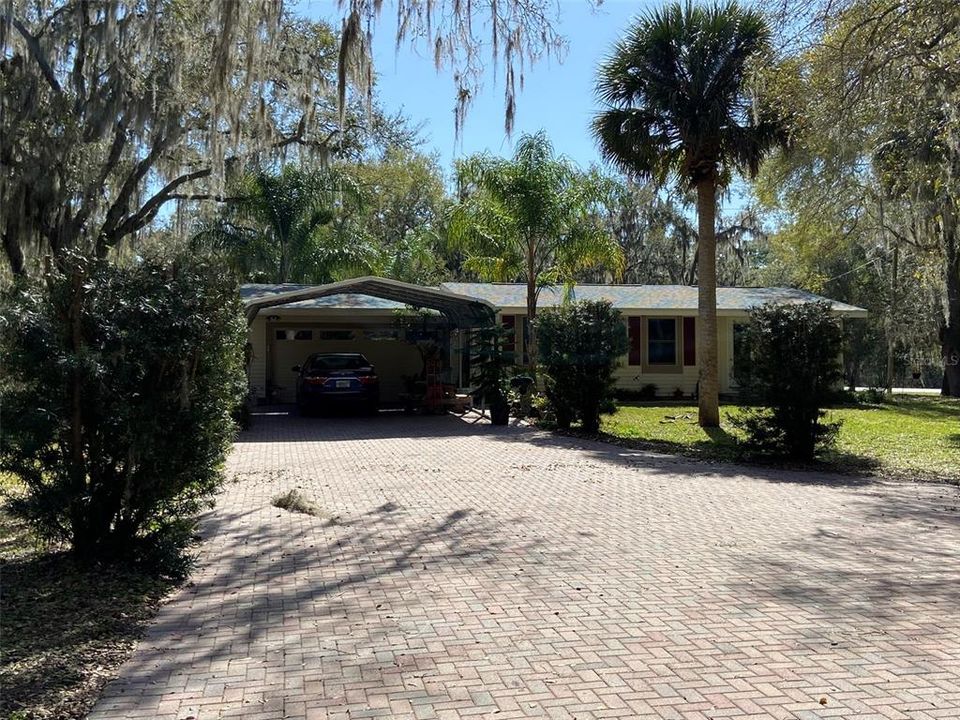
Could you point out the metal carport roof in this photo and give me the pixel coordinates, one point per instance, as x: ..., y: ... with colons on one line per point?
x: 461, y: 310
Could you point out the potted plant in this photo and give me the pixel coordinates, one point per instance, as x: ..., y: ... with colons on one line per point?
x: 490, y: 369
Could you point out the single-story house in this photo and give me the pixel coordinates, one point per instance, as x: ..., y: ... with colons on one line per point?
x: 394, y: 323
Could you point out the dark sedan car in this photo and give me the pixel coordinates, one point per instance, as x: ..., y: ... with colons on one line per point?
x: 345, y: 380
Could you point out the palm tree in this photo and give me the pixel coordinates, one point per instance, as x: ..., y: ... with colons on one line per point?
x: 293, y: 226
x: 676, y: 104
x: 532, y: 219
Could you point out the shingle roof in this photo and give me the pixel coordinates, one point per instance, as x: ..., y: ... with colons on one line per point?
x: 682, y: 298
x: 646, y: 297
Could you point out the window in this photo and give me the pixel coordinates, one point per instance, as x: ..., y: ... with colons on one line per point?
x: 342, y: 361
x: 636, y: 344
x: 294, y: 335
x: 526, y: 340
x: 690, y: 341
x: 662, y: 341
x: 510, y: 335
x: 741, y: 357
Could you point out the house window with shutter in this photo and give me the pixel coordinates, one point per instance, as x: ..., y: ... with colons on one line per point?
x: 662, y: 341
x: 635, y: 334
x: 510, y: 334
x: 689, y: 341
x: 660, y: 348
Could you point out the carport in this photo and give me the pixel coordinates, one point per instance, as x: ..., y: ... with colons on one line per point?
x: 395, y: 324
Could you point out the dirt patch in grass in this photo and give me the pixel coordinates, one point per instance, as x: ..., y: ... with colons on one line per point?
x: 295, y: 501
x: 66, y: 629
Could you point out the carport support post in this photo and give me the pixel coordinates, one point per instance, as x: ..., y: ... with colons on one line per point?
x: 458, y: 355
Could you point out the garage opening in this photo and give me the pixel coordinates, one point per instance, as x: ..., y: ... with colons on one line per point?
x: 398, y: 353
x: 415, y: 337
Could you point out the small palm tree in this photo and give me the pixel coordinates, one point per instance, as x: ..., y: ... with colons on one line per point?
x: 531, y: 218
x: 677, y: 105
x: 293, y: 226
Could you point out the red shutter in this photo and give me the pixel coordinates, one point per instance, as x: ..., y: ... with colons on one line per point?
x: 689, y: 341
x: 636, y: 354
x: 510, y: 341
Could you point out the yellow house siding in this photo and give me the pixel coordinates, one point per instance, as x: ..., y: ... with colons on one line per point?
x: 257, y: 373
x: 725, y: 353
x: 634, y: 377
x: 630, y: 377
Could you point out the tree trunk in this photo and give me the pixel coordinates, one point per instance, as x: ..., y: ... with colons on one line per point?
x: 950, y: 332
x: 891, y: 323
x: 709, y: 386
x: 14, y: 254
x: 83, y: 539
x: 282, y: 270
x: 531, y: 306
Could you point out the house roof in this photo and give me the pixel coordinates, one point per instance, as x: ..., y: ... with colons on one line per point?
x: 469, y: 302
x: 257, y: 291
x: 461, y: 310
x: 682, y: 298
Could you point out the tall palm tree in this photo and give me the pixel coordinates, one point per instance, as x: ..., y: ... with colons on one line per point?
x: 531, y: 218
x: 676, y: 104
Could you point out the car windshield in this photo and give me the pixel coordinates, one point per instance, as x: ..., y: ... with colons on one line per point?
x: 338, y: 362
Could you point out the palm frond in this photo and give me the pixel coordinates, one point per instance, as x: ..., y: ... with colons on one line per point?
x: 674, y: 94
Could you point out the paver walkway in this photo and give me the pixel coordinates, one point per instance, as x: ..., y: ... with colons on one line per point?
x: 471, y: 571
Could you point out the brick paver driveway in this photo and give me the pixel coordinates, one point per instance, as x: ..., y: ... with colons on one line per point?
x: 471, y: 571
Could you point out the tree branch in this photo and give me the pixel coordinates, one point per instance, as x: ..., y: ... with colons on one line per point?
x: 150, y: 208
x: 113, y: 157
x: 116, y: 211
x: 33, y: 45
x: 204, y: 196
x: 79, y: 85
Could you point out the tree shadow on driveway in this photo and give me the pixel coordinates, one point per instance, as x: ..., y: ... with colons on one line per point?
x: 284, y: 425
x: 881, y: 574
x: 510, y: 555
x: 281, y: 593
x: 658, y: 458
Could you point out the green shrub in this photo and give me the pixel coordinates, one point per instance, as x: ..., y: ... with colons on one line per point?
x: 870, y: 396
x: 790, y: 367
x: 646, y: 393
x: 118, y: 388
x: 489, y: 369
x: 580, y: 344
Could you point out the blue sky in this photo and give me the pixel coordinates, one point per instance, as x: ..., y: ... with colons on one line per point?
x: 557, y: 97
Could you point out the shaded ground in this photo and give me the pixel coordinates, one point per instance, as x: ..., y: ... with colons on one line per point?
x: 65, y: 630
x: 468, y: 571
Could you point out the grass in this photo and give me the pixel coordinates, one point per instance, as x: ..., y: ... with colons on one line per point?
x: 909, y: 436
x: 66, y: 629
x: 295, y: 501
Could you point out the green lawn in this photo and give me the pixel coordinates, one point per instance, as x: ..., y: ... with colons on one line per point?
x: 910, y: 436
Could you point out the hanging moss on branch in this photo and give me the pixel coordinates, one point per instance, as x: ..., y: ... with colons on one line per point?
x: 110, y: 111
x: 458, y: 34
